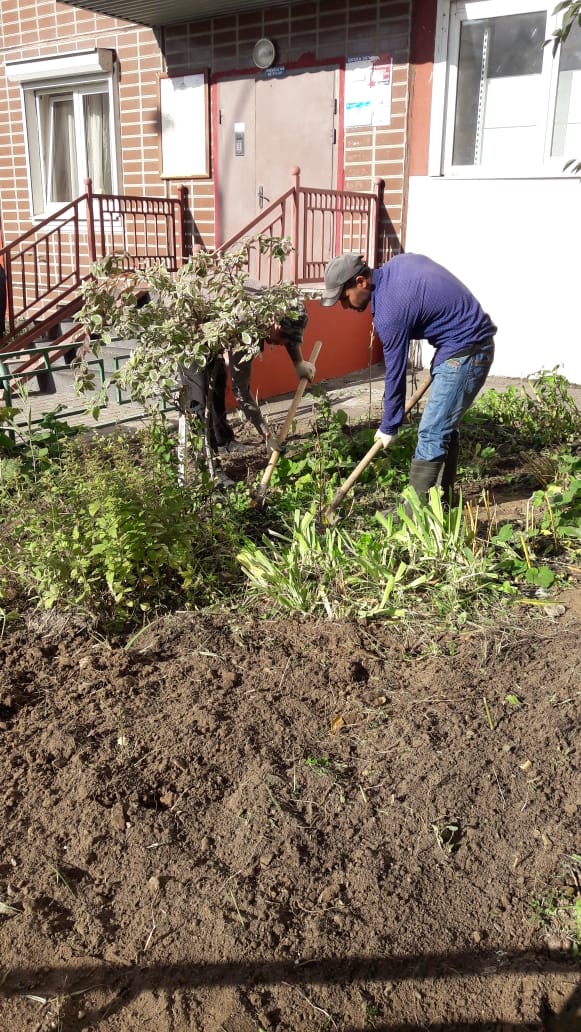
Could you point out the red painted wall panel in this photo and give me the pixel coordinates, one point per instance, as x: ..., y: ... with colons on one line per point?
x: 345, y: 337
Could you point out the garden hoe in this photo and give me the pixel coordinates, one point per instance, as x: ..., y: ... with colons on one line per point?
x: 376, y: 447
x: 260, y: 496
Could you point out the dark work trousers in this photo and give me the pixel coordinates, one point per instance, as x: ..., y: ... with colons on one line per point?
x: 198, y: 382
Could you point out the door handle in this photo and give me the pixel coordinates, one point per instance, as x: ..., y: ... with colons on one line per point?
x: 261, y: 198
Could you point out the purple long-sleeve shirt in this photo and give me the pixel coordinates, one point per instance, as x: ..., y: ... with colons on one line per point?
x: 414, y: 298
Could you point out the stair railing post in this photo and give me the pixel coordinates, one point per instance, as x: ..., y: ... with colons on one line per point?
x: 184, y: 244
x: 9, y: 291
x: 5, y: 378
x: 91, y: 242
x: 379, y: 185
x: 294, y: 267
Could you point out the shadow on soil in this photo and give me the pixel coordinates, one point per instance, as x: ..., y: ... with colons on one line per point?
x: 127, y: 982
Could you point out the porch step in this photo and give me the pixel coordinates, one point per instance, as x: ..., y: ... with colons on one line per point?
x: 112, y: 355
x: 60, y: 378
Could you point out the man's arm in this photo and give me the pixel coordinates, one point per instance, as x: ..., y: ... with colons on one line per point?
x: 395, y: 352
x: 291, y: 333
x: 302, y: 367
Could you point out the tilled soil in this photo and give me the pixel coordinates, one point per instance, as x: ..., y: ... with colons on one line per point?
x: 234, y: 824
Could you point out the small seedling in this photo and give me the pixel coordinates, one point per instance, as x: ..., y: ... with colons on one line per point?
x: 237, y: 908
x: 273, y: 798
x: 447, y: 835
x: 319, y: 764
x: 60, y: 878
x: 372, y: 1012
x: 513, y: 700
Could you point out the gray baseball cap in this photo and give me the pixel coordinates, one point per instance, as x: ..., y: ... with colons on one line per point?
x: 338, y: 272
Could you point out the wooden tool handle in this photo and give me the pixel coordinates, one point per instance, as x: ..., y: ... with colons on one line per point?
x: 367, y: 458
x: 283, y: 432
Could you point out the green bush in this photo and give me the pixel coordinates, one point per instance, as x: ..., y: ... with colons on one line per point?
x: 109, y: 527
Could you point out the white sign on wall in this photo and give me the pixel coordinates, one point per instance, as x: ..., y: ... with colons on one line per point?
x: 184, y: 127
x: 368, y: 83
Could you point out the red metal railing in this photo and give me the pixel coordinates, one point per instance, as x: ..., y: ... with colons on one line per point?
x: 320, y: 224
x: 46, y: 266
x: 146, y: 229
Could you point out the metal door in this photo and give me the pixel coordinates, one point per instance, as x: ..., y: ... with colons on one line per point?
x: 266, y: 125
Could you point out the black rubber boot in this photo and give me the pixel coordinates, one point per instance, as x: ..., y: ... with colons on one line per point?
x: 425, y: 474
x: 448, y: 478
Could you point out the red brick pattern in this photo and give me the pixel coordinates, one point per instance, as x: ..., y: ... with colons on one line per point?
x: 322, y: 30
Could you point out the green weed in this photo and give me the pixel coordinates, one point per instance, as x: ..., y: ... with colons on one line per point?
x: 556, y: 908
x: 447, y: 835
x: 108, y: 527
x: 320, y: 764
x: 104, y: 523
x: 540, y: 413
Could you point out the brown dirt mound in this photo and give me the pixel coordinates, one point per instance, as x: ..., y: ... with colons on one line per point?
x: 234, y: 825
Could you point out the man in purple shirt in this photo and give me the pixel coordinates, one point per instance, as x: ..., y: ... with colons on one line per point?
x: 414, y: 298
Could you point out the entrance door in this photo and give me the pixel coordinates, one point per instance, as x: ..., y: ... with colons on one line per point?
x: 267, y: 125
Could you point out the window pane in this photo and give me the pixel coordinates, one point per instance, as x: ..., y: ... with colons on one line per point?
x: 62, y: 157
x: 498, y: 92
x: 98, y: 141
x: 567, y: 127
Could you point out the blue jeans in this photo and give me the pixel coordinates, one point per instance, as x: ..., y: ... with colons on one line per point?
x: 455, y: 385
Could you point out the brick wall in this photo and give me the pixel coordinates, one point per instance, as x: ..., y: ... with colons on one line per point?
x: 317, y: 31
x: 45, y: 29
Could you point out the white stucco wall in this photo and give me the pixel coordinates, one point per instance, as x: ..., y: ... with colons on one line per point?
x: 516, y: 243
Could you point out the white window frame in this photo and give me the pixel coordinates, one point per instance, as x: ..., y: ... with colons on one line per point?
x: 80, y: 74
x: 446, y: 51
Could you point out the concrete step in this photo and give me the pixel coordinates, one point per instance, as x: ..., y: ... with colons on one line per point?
x: 62, y: 374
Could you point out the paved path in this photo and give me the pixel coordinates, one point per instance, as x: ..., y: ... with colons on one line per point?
x: 358, y: 394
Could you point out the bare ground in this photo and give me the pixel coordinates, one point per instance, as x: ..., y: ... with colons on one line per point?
x: 244, y: 824
x: 235, y: 823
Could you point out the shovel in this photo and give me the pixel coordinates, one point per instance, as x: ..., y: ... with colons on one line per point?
x: 275, y: 453
x: 367, y: 458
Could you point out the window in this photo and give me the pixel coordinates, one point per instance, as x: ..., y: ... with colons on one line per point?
x: 512, y: 108
x: 69, y: 107
x: 567, y: 122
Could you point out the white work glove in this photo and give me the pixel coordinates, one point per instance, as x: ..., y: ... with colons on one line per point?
x: 305, y: 369
x: 385, y: 439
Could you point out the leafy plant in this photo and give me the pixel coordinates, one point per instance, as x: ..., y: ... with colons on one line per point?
x: 188, y: 318
x: 554, y: 528
x: 26, y: 447
x: 320, y: 764
x: 106, y: 523
x: 540, y: 413
x: 119, y: 536
x: 556, y: 913
x: 556, y: 908
x: 571, y: 10
x: 304, y: 571
x: 375, y: 572
x: 481, y: 462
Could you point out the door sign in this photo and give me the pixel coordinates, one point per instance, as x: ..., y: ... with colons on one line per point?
x: 368, y: 91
